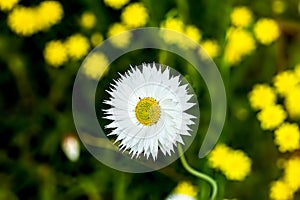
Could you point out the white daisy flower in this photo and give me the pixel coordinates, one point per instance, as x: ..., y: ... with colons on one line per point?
x: 183, y: 191
x: 149, y: 111
x: 180, y: 197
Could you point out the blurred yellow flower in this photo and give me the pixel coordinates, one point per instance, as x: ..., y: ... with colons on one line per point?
x: 211, y: 47
x: 278, y: 6
x: 285, y: 82
x: 96, y: 38
x: 234, y: 164
x: 266, y: 31
x: 193, y: 32
x: 292, y: 173
x: 55, y: 53
x: 121, y: 41
x: 135, y: 15
x: 22, y: 21
x: 239, y: 44
x: 297, y: 71
x: 48, y: 13
x: 174, y: 24
x: 7, y: 5
x: 77, y: 46
x: 280, y: 191
x: 116, y: 4
x: 241, y: 16
x: 88, y: 20
x: 261, y: 96
x: 95, y: 65
x: 271, y: 117
x: 186, y: 188
x: 26, y: 21
x: 217, y: 156
x: 292, y: 102
x: 287, y: 137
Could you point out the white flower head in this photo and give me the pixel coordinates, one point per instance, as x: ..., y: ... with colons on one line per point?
x: 149, y: 111
x: 180, y: 197
x: 71, y: 148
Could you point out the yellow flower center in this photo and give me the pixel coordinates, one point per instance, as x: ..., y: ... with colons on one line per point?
x: 147, y: 111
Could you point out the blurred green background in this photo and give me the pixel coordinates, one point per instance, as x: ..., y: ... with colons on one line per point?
x: 36, y: 105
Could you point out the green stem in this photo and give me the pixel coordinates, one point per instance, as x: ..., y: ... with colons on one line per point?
x: 198, y: 174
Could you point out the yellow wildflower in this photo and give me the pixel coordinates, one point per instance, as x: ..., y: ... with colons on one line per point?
x: 211, y: 47
x: 7, y: 5
x: 239, y: 44
x: 135, y: 15
x: 241, y: 16
x: 271, y: 117
x: 292, y: 104
x: 280, y: 191
x: 285, y: 82
x: 234, y: 164
x: 26, y: 21
x: 193, y: 32
x: 48, y: 13
x: 266, y: 31
x: 292, y: 173
x: 186, y: 188
x: 88, y: 20
x: 96, y: 38
x: 116, y: 4
x: 278, y: 6
x: 217, y: 155
x: 173, y: 23
x: 176, y: 24
x: 77, y: 46
x: 297, y: 71
x: 287, y: 137
x: 261, y: 96
x: 22, y: 21
x: 55, y: 53
x: 95, y: 65
x: 241, y: 113
x: 121, y: 41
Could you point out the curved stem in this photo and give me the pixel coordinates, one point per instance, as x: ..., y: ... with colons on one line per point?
x: 198, y: 174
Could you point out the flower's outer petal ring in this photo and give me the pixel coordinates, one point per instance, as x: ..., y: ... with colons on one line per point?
x: 83, y: 100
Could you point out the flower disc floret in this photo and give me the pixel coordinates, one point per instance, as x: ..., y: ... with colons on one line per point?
x: 147, y: 111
